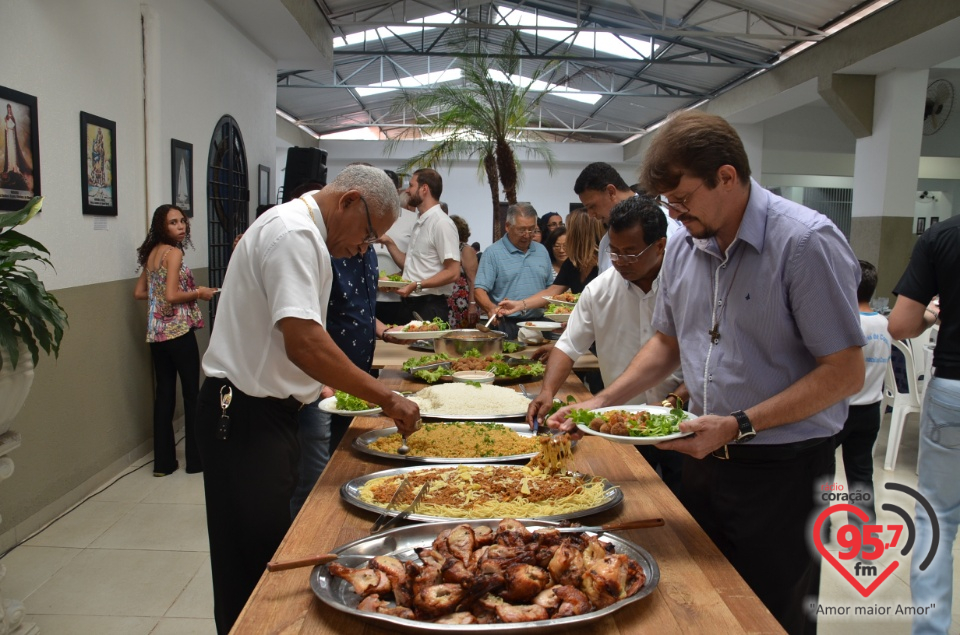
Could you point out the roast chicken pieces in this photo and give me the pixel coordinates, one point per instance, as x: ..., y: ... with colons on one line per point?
x: 484, y: 576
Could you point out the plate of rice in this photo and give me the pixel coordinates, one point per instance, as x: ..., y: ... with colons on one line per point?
x: 465, y: 402
x: 463, y: 441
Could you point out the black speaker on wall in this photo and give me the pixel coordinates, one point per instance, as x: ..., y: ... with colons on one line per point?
x: 303, y: 165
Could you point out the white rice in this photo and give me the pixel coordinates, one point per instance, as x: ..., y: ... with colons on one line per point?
x: 468, y: 400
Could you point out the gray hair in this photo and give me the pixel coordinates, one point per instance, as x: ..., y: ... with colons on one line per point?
x: 523, y: 210
x: 375, y: 186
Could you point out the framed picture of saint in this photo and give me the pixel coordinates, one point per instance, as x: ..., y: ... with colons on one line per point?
x: 98, y: 165
x: 19, y: 149
x: 181, y: 175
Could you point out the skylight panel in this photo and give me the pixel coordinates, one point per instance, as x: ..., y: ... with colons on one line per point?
x: 384, y: 33
x: 625, y: 47
x: 427, y: 79
x: 541, y: 86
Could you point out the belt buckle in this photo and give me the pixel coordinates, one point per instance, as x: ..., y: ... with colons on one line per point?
x: 723, y: 456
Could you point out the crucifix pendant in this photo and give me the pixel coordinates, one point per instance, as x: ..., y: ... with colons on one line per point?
x: 715, y: 333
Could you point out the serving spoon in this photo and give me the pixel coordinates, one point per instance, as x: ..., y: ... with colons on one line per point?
x: 485, y: 328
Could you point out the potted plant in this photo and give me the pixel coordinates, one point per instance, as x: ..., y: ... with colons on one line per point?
x: 30, y: 317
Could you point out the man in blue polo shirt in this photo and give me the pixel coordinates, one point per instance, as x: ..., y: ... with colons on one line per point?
x: 514, y: 267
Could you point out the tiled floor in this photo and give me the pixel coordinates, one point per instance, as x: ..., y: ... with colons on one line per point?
x: 133, y: 560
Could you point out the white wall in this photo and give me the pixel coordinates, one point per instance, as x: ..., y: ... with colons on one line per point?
x: 87, y: 55
x: 467, y: 195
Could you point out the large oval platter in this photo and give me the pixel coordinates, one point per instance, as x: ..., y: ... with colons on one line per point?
x: 362, y: 444
x: 350, y: 492
x: 400, y: 543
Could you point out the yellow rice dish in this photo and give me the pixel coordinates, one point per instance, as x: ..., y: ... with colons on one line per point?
x: 464, y: 439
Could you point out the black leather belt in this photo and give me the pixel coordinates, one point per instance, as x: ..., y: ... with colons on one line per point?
x: 779, y: 452
x: 291, y: 404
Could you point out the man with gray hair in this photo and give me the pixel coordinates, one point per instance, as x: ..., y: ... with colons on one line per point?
x: 269, y: 354
x: 514, y: 267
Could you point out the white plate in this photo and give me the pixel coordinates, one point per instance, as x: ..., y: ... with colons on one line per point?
x: 330, y: 405
x: 616, y: 438
x: 561, y: 302
x: 540, y: 326
x: 383, y: 283
x: 557, y: 317
x: 417, y: 335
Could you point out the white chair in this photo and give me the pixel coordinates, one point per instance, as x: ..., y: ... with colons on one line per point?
x: 904, y: 403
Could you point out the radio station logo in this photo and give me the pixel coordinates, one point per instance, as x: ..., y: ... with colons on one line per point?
x: 861, y: 550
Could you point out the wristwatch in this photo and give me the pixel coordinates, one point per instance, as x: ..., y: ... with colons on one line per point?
x: 419, y: 287
x: 746, y: 428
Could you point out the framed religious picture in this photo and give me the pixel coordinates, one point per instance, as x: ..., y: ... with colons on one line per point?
x: 181, y: 175
x: 264, y: 172
x: 19, y: 149
x: 98, y: 165
x: 921, y: 224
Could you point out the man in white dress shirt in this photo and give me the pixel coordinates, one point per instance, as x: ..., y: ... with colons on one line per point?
x: 432, y: 261
x: 599, y: 188
x: 271, y: 354
x: 616, y: 311
x: 388, y: 302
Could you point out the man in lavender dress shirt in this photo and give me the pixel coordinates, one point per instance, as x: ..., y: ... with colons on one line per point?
x: 758, y: 307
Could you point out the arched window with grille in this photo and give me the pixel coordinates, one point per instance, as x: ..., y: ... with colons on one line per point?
x: 228, y: 198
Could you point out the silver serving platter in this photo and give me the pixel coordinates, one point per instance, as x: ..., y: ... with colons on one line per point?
x: 362, y: 444
x: 350, y: 492
x: 401, y: 542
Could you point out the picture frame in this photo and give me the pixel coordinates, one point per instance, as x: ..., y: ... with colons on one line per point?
x: 264, y: 181
x: 921, y: 224
x: 98, y: 165
x: 19, y: 167
x: 934, y: 220
x: 181, y: 176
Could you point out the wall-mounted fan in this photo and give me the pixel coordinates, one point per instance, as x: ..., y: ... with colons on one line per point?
x: 938, y: 105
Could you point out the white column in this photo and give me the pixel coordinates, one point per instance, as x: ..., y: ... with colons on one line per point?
x: 752, y: 137
x: 887, y: 163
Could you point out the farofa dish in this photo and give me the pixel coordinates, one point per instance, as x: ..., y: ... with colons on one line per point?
x: 490, y: 491
x: 482, y: 575
x: 463, y: 439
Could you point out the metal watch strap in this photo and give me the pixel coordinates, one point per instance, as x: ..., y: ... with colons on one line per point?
x: 419, y: 287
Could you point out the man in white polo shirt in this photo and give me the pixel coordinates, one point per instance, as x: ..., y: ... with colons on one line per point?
x: 432, y: 261
x: 616, y: 312
x: 268, y: 355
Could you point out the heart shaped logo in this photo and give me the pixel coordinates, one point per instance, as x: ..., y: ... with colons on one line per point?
x: 817, y: 540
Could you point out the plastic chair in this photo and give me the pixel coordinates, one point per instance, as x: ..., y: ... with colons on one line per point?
x: 904, y: 403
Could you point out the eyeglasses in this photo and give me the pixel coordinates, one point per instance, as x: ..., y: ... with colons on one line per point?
x: 372, y: 236
x: 680, y: 207
x: 629, y: 259
x: 526, y: 232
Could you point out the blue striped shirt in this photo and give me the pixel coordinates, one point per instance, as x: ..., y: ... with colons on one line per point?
x: 784, y: 295
x: 507, y: 273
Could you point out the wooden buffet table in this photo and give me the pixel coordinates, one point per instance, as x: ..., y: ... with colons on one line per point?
x: 387, y: 355
x: 699, y: 590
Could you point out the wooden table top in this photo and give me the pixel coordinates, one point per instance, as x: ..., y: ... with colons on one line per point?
x: 699, y: 590
x: 387, y: 355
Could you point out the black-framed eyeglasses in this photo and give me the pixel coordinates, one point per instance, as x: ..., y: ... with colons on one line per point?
x: 629, y: 259
x: 680, y: 207
x: 372, y: 236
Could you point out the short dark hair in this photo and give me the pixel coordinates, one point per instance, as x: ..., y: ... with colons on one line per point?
x: 432, y: 179
x: 597, y: 176
x: 868, y: 281
x: 395, y: 178
x: 639, y: 211
x: 694, y: 143
x: 463, y: 229
x: 551, y: 240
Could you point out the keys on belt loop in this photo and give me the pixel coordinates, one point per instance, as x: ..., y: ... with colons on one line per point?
x: 226, y: 396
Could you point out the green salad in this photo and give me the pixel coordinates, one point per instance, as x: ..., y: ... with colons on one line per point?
x: 633, y: 424
x: 349, y: 402
x: 394, y: 277
x: 440, y: 324
x: 497, y: 365
x: 512, y: 347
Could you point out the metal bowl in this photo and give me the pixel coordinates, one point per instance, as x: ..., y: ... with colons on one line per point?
x: 457, y: 342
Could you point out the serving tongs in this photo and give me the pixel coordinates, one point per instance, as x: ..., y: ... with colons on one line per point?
x: 414, y: 369
x: 383, y: 523
x: 646, y: 523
